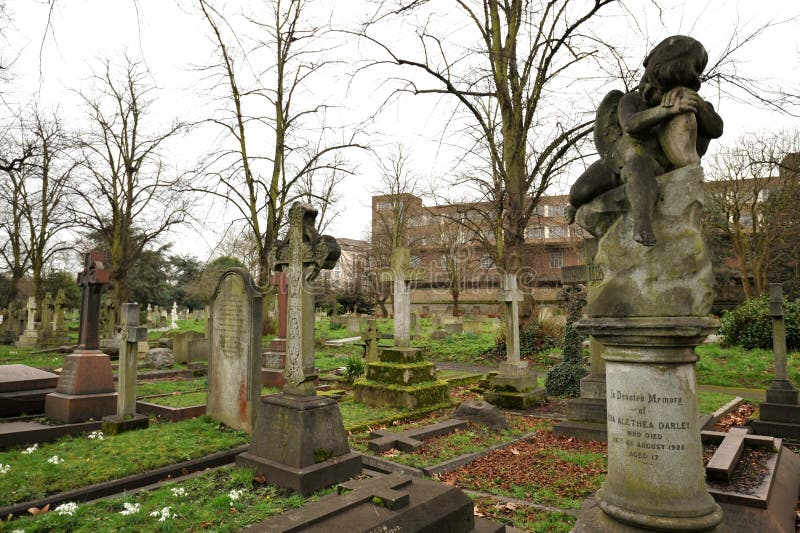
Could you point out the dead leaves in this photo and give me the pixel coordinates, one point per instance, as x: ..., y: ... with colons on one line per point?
x: 737, y: 418
x: 39, y: 510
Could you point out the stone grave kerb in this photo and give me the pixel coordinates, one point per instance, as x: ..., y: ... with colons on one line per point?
x: 131, y: 334
x: 304, y: 254
x: 299, y: 441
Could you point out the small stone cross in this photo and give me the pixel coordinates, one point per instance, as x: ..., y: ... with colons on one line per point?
x: 723, y: 462
x: 302, y: 256
x: 403, y: 275
x: 371, y: 336
x: 130, y: 336
x: 31, y: 324
x: 92, y: 280
x: 510, y: 296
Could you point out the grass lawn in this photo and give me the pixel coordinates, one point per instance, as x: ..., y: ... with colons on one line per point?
x: 148, y: 388
x: 471, y: 439
x: 226, y: 499
x: 524, y: 517
x: 708, y: 402
x: 11, y: 355
x: 87, y: 461
x: 737, y: 367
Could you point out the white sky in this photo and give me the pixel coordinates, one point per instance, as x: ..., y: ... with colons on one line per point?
x: 170, y: 37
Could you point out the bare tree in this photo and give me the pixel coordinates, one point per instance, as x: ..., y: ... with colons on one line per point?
x: 753, y: 199
x: 502, y: 84
x: 453, y: 240
x: 128, y: 198
x: 260, y: 180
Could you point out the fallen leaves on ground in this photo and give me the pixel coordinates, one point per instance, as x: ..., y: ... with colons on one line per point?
x: 737, y: 418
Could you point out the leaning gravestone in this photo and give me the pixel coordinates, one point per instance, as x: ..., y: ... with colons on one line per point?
x: 299, y: 441
x: 86, y: 387
x: 234, y: 361
x: 651, y: 308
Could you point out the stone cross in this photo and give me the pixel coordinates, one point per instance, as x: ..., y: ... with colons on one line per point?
x: 723, y: 462
x: 371, y: 336
x: 58, y: 311
x: 403, y: 275
x: 173, y: 316
x: 302, y: 256
x: 778, y: 331
x: 510, y: 297
x: 93, y: 278
x: 47, y: 317
x: 130, y: 336
x: 31, y: 324
x: 110, y: 313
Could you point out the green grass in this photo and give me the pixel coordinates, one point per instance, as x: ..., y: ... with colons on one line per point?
x: 357, y: 414
x: 524, y: 517
x: 148, y: 388
x: 736, y: 367
x: 205, y: 505
x: 177, y: 401
x: 464, y: 348
x: 89, y: 461
x: 709, y: 402
x: 11, y: 355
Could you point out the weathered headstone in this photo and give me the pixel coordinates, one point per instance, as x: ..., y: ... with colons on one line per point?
x: 515, y: 384
x: 651, y: 308
x: 370, y: 335
x: 779, y: 415
x: 181, y: 343
x: 299, y: 440
x: 130, y: 336
x: 31, y: 335
x: 46, y: 325
x: 86, y: 387
x: 275, y: 356
x: 234, y: 361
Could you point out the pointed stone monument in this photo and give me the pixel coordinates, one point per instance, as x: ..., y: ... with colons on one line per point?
x: 299, y: 441
x: 130, y: 335
x: 515, y: 385
x: 86, y: 387
x: 31, y: 335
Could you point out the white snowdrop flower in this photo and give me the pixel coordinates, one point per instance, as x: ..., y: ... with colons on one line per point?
x: 4, y: 469
x: 30, y: 449
x: 68, y: 508
x: 178, y: 492
x: 130, y: 508
x: 235, y: 494
x: 18, y: 531
x: 164, y: 514
x: 97, y: 435
x: 55, y: 460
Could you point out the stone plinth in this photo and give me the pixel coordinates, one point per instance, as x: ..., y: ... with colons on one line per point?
x: 299, y: 442
x: 586, y: 415
x: 85, y: 389
x: 514, y: 387
x: 23, y: 389
x: 655, y: 465
x: 401, y: 378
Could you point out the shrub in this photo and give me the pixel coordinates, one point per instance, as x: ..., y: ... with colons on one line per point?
x: 750, y: 325
x: 565, y: 380
x: 536, y: 337
x: 354, y: 367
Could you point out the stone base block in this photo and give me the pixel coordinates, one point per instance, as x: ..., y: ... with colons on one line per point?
x: 305, y: 480
x: 779, y: 412
x: 593, y: 387
x: 71, y: 408
x: 582, y: 430
x: 113, y: 425
x: 401, y: 373
x: 782, y: 391
x: 401, y: 354
x: 776, y: 429
x: 272, y: 377
x: 409, y: 396
x: 587, y: 410
x: 515, y: 400
x: 28, y: 339
x: 513, y: 383
x: 86, y: 373
x: 23, y: 402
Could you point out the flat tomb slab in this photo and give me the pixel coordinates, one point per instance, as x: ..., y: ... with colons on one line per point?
x: 411, y: 439
x: 22, y: 377
x: 395, y: 502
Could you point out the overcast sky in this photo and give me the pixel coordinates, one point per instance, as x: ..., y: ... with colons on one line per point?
x: 53, y: 61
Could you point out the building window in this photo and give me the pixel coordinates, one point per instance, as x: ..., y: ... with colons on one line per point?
x: 534, y: 233
x: 555, y: 210
x: 415, y: 261
x: 556, y: 258
x: 487, y: 263
x: 383, y: 206
x: 557, y: 232
x: 444, y: 262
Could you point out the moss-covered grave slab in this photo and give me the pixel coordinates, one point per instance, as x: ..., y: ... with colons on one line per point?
x: 401, y: 373
x: 515, y: 400
x: 410, y: 397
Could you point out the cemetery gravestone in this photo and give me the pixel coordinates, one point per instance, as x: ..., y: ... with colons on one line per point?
x: 651, y: 308
x: 299, y: 441
x: 515, y: 385
x: 31, y: 336
x: 779, y: 415
x: 371, y: 336
x: 181, y: 343
x: 275, y: 357
x: 23, y: 389
x: 234, y: 361
x: 86, y: 386
x: 60, y: 335
x: 46, y: 325
x: 130, y: 336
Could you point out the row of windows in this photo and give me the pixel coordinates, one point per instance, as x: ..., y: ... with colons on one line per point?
x: 487, y: 263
